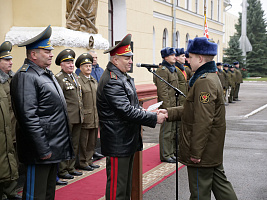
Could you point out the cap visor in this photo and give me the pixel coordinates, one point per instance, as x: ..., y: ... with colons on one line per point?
x: 7, y: 57
x: 128, y: 54
x: 49, y: 48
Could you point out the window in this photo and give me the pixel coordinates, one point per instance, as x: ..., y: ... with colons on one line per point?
x: 187, y: 3
x: 186, y: 40
x: 197, y: 6
x: 165, y: 38
x: 219, y: 10
x: 211, y: 9
x: 154, y: 45
x: 110, y: 22
x: 177, y: 39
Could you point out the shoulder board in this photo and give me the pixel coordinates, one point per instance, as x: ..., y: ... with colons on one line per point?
x: 24, y: 68
x: 204, y: 75
x: 163, y: 67
x: 58, y: 74
x: 113, y: 75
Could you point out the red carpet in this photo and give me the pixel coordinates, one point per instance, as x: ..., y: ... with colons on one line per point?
x: 92, y: 184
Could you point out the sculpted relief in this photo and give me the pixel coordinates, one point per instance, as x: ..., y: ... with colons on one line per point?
x: 81, y: 15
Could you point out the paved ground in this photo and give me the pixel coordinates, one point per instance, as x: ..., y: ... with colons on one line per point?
x: 245, y: 149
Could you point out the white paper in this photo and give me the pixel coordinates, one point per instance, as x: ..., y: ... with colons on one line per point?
x: 154, y: 106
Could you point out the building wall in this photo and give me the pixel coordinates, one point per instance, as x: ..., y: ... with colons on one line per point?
x: 144, y: 19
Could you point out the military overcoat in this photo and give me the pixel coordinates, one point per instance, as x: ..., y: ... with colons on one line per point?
x: 203, y: 119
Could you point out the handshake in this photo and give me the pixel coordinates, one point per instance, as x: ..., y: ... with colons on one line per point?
x: 162, y: 115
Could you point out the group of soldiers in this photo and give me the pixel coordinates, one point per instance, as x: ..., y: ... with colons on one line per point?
x: 231, y: 78
x: 79, y: 93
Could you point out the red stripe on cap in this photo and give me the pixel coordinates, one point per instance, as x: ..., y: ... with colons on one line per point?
x: 121, y: 50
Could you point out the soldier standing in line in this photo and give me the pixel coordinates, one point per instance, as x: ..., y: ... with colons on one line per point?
x: 166, y: 94
x: 187, y: 68
x: 9, y: 169
x: 90, y: 123
x: 232, y: 78
x: 226, y: 78
x: 239, y: 80
x: 182, y: 75
x: 68, y: 82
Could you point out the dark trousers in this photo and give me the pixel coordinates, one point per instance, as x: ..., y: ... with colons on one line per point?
x: 206, y: 179
x: 1, y: 189
x: 68, y: 166
x: 87, y: 146
x: 237, y: 86
x: 40, y: 182
x: 119, y: 177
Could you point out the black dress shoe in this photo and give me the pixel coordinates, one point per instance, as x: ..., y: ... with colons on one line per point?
x: 169, y: 160
x: 94, y: 166
x: 98, y: 155
x: 66, y: 176
x: 87, y: 168
x: 59, y: 182
x: 76, y: 173
x: 15, y: 197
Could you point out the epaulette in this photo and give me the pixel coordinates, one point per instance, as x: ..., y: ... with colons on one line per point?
x: 204, y: 75
x: 113, y: 75
x: 24, y: 68
x: 163, y: 67
x: 57, y: 75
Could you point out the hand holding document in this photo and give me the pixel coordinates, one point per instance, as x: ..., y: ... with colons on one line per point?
x: 154, y: 106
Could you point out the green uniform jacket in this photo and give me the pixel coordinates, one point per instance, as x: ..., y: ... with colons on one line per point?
x: 73, y: 96
x: 221, y: 76
x: 89, y: 87
x: 164, y: 92
x: 238, y: 75
x: 8, y: 163
x: 226, y: 78
x: 232, y: 78
x: 203, y: 120
x: 182, y: 84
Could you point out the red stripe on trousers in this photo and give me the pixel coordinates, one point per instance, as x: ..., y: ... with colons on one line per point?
x: 115, y: 177
x: 111, y: 178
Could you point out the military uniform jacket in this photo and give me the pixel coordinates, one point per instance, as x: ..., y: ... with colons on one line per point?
x: 182, y: 83
x: 73, y: 95
x: 231, y: 78
x: 238, y: 75
x: 203, y: 119
x: 9, y: 169
x: 40, y: 109
x: 221, y: 76
x: 164, y: 92
x: 89, y: 87
x: 120, y: 116
x: 5, y: 80
x: 226, y: 78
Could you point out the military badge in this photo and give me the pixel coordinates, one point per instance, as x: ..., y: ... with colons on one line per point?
x: 204, y: 97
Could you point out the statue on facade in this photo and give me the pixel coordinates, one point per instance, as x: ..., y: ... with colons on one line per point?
x: 81, y: 15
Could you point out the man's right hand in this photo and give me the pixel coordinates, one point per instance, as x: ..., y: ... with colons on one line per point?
x: 161, y: 118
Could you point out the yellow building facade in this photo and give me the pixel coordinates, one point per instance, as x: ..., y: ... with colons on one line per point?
x: 154, y: 24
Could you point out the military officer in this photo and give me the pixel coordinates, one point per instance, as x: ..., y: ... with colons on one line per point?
x: 71, y: 87
x: 182, y: 75
x: 203, y: 126
x: 166, y: 94
x: 226, y: 78
x: 239, y: 80
x: 90, y: 124
x: 7, y: 150
x: 232, y: 83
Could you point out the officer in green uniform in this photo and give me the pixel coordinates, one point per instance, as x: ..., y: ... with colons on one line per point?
x: 232, y: 83
x: 203, y: 126
x: 166, y: 94
x: 187, y: 68
x: 239, y: 80
x: 90, y: 123
x: 9, y: 169
x: 182, y: 75
x: 226, y: 78
x: 71, y: 87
